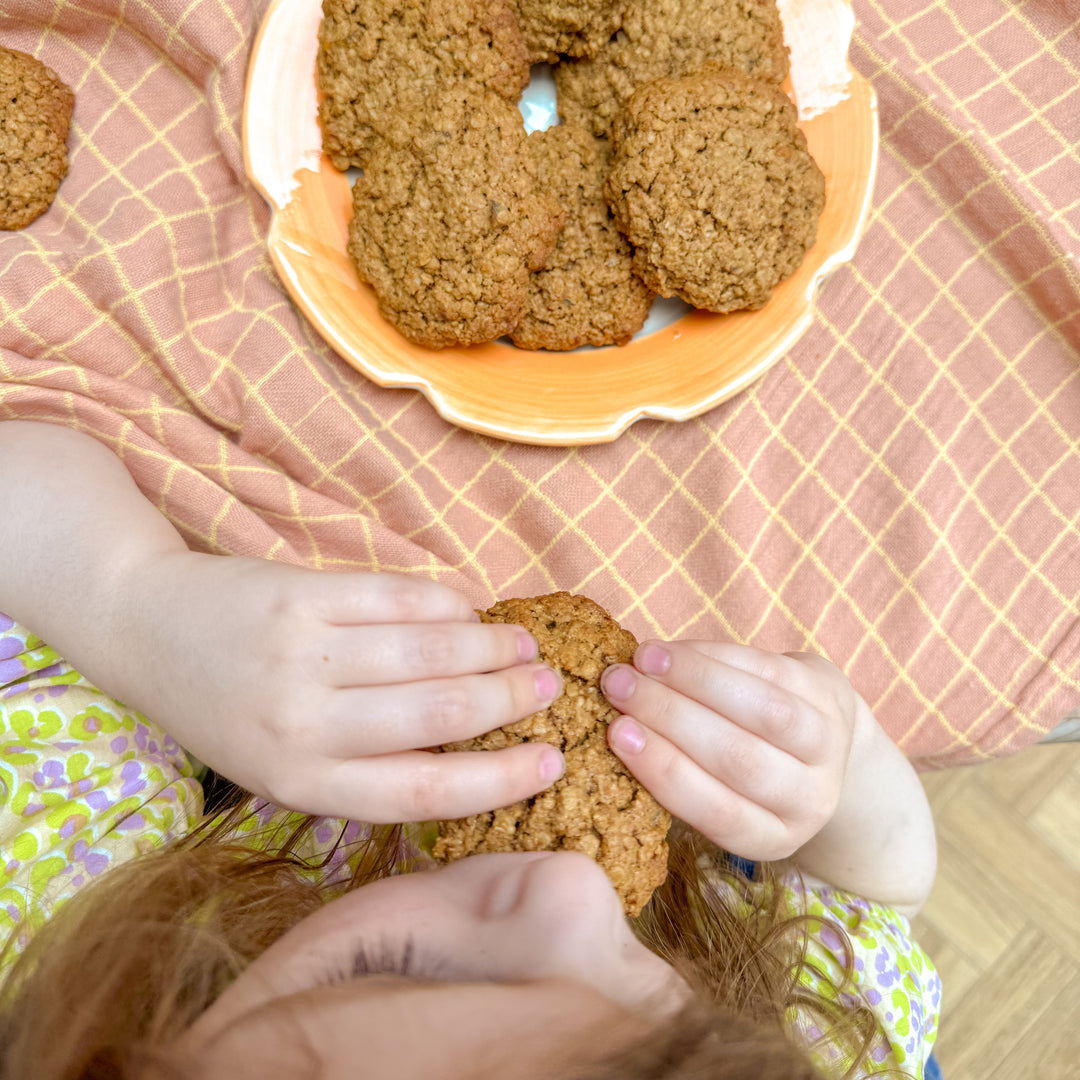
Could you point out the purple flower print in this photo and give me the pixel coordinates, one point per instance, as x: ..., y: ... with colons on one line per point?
x: 10, y: 670
x: 99, y: 800
x: 6, y: 622
x: 72, y: 825
x: 94, y: 861
x: 50, y: 775
x: 131, y: 774
x: 119, y: 744
x: 887, y: 971
x: 831, y: 939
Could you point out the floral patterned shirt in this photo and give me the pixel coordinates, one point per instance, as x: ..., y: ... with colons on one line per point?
x: 86, y: 783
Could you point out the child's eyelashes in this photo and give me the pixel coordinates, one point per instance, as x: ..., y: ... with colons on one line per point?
x: 386, y: 960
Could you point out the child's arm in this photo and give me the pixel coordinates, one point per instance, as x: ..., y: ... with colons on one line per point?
x: 776, y: 757
x: 316, y: 690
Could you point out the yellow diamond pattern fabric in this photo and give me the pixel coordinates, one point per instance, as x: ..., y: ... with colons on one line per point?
x: 901, y: 492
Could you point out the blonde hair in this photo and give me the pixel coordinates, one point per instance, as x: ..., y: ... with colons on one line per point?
x: 133, y: 959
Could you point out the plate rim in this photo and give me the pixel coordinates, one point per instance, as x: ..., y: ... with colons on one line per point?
x: 606, y: 429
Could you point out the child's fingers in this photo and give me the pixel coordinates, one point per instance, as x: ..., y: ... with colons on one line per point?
x: 737, y: 757
x: 419, y: 786
x: 382, y: 654
x: 381, y: 720
x: 355, y: 599
x: 755, y: 700
x: 726, y: 817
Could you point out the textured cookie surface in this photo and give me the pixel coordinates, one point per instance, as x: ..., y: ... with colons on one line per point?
x: 569, y: 27
x: 380, y: 63
x: 713, y: 185
x: 662, y: 38
x: 587, y: 293
x: 35, y: 113
x: 447, y: 227
x: 597, y: 807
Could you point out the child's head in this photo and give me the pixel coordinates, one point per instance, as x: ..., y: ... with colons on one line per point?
x: 206, y: 961
x: 497, y: 958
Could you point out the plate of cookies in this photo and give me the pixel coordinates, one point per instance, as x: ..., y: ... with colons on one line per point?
x: 553, y: 225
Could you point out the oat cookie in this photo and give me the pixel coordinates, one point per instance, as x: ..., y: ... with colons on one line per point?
x: 597, y: 807
x: 661, y: 38
x: 587, y: 293
x: 380, y: 62
x: 713, y: 185
x: 568, y: 27
x: 35, y: 113
x: 448, y: 227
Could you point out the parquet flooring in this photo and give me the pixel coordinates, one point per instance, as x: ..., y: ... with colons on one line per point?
x: 1003, y: 922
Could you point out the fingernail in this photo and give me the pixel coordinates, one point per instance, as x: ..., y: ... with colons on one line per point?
x: 552, y: 766
x: 527, y: 649
x: 653, y: 660
x: 546, y: 684
x: 627, y: 736
x: 618, y: 682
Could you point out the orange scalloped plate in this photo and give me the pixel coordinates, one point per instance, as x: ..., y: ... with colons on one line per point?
x: 545, y: 398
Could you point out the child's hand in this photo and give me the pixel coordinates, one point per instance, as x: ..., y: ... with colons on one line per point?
x: 749, y: 747
x: 319, y: 690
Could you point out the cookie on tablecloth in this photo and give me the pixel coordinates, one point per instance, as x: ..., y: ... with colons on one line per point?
x: 714, y: 186
x: 448, y: 226
x: 597, y: 807
x: 587, y: 293
x: 35, y: 113
x: 380, y: 63
x: 663, y: 38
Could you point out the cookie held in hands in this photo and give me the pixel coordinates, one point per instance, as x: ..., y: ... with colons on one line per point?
x: 714, y: 186
x: 35, y: 113
x: 597, y: 807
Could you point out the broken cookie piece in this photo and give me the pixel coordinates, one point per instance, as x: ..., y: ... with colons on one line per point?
x: 597, y: 807
x: 587, y: 293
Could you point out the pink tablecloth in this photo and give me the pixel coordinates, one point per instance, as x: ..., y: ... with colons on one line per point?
x: 901, y: 492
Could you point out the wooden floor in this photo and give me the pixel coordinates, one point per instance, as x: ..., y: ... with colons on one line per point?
x: 1003, y: 922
